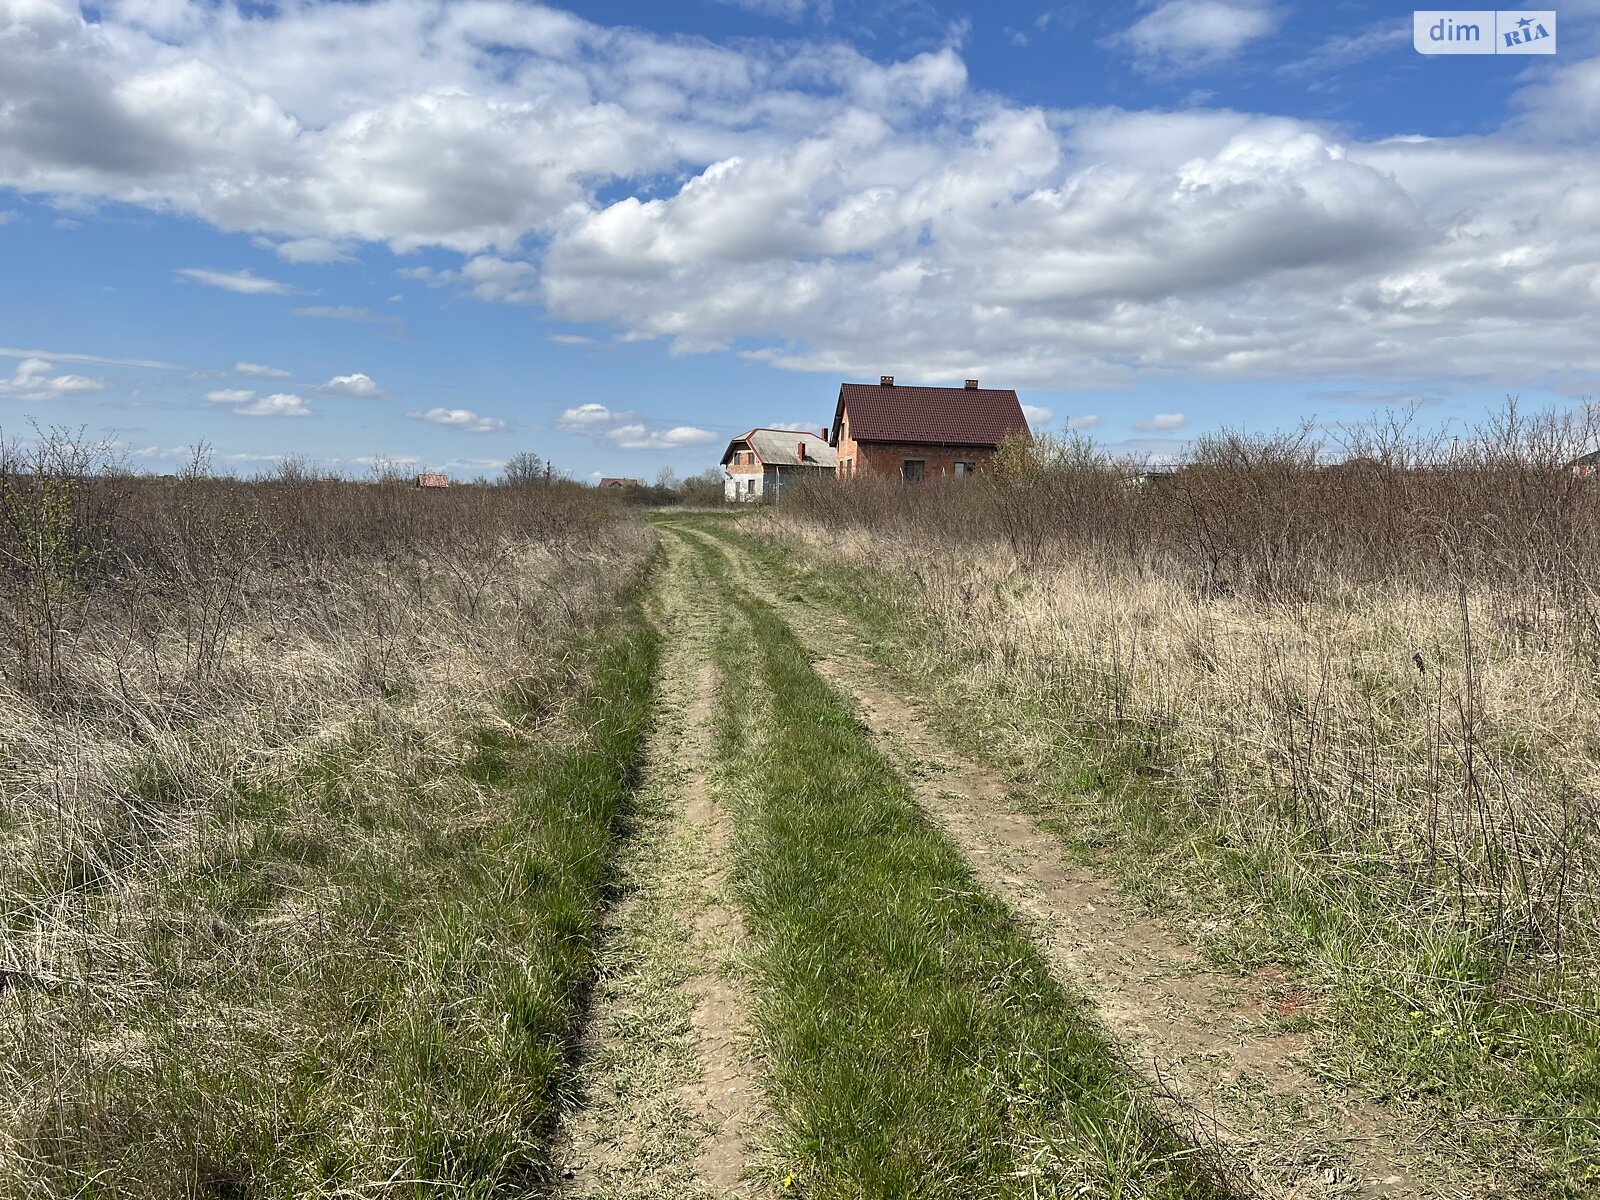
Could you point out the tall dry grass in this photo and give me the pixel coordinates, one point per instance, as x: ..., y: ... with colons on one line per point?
x: 217, y: 700
x: 1341, y: 702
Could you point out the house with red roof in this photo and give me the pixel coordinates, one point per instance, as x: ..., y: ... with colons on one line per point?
x: 916, y: 433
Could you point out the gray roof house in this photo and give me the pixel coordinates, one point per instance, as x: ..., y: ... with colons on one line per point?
x: 762, y: 461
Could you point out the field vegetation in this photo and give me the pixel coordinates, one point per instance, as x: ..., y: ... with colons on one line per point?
x: 1335, y: 707
x: 914, y: 1039
x: 307, y: 794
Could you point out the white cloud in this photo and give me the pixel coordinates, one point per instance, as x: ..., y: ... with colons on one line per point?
x: 1346, y: 49
x: 460, y: 418
x: 571, y: 339
x: 1185, y: 34
x: 8, y: 215
x: 474, y: 464
x: 590, y: 416
x: 357, y: 385
x: 97, y: 359
x: 1037, y: 415
x: 260, y: 370
x: 230, y: 396
x: 784, y: 10
x: 279, y: 404
x: 801, y: 426
x: 638, y: 436
x: 825, y: 212
x: 1084, y: 421
x: 33, y: 381
x: 312, y: 250
x: 355, y: 314
x: 486, y: 276
x: 246, y: 283
x: 1161, y: 423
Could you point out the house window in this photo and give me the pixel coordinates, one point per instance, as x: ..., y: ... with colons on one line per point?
x: 750, y: 486
x: 965, y: 466
x: 911, y: 469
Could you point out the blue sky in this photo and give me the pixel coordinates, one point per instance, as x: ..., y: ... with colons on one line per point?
x: 617, y: 233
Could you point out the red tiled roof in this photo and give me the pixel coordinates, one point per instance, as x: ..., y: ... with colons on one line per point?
x: 949, y: 416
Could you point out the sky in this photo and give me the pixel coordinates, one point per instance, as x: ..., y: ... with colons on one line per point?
x: 616, y: 234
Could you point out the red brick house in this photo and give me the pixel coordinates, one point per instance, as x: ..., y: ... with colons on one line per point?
x: 763, y: 460
x: 916, y: 433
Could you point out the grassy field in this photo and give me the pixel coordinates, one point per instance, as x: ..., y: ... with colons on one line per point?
x: 306, y: 829
x: 1381, y: 781
x: 316, y: 799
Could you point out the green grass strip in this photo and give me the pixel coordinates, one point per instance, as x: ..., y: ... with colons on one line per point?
x: 916, y: 1042
x: 417, y: 1044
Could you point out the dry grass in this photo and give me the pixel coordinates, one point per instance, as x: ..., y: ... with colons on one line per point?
x: 255, y: 751
x: 1346, y: 718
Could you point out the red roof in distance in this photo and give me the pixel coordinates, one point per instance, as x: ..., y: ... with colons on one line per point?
x: 941, y: 416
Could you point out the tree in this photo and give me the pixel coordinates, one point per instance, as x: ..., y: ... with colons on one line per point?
x: 525, y: 468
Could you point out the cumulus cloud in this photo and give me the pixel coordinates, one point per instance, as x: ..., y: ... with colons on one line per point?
x: 259, y: 370
x: 33, y: 381
x: 629, y: 431
x: 1161, y: 423
x: 230, y: 396
x: 246, y: 283
x: 1082, y: 422
x: 590, y: 417
x: 459, y: 418
x: 1037, y: 415
x: 279, y: 404
x: 358, y: 385
x: 824, y: 212
x: 1187, y: 34
x: 638, y: 436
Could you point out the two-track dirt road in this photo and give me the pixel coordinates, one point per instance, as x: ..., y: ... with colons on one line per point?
x: 670, y: 1095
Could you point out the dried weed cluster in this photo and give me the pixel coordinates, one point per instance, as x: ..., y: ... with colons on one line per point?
x: 1345, y: 710
x: 231, y: 732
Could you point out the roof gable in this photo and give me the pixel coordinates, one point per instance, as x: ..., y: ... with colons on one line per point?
x: 781, y: 448
x: 950, y: 416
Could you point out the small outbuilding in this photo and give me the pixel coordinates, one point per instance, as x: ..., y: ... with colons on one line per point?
x: 760, y: 462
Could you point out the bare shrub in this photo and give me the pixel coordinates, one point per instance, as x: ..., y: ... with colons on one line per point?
x: 1379, y: 645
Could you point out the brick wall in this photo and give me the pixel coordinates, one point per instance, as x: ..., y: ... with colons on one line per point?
x: 886, y: 460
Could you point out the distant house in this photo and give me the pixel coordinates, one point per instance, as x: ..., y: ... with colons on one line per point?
x: 618, y: 481
x: 1588, y: 464
x: 433, y: 481
x: 762, y: 461
x: 916, y: 433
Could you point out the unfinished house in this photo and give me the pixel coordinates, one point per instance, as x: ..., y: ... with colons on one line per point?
x: 761, y: 462
x: 916, y: 433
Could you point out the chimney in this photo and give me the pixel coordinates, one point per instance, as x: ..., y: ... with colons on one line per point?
x: 972, y: 385
x: 824, y: 436
x: 885, y: 380
x: 800, y: 449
